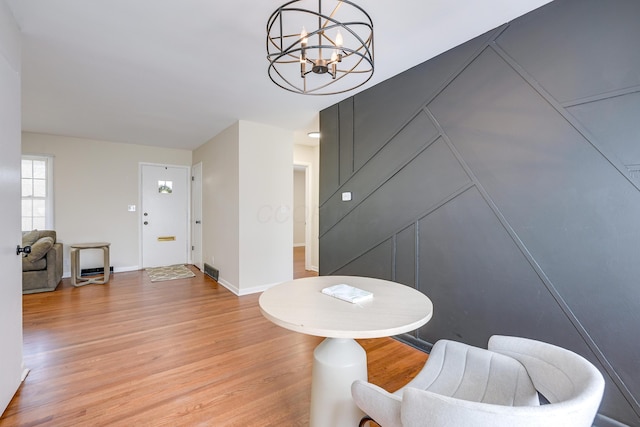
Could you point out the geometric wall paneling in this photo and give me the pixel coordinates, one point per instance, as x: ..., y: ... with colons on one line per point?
x: 346, y: 139
x: 481, y: 284
x: 432, y: 176
x: 634, y: 173
x: 577, y: 56
x: 502, y: 179
x: 571, y: 209
x: 400, y: 150
x: 376, y: 122
x: 380, y: 257
x: 479, y: 281
x: 329, y: 153
x: 483, y: 107
x: 614, y: 120
x: 405, y: 256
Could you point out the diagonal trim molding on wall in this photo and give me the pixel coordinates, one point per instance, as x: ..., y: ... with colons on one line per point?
x: 515, y: 205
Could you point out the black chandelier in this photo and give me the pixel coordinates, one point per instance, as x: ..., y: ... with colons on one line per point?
x: 318, y: 47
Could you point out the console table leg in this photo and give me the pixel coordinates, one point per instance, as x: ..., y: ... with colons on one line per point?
x: 73, y: 254
x: 107, y: 264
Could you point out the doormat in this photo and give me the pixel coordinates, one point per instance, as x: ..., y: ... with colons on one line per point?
x: 171, y: 272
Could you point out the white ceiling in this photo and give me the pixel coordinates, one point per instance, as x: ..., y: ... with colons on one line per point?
x: 175, y: 73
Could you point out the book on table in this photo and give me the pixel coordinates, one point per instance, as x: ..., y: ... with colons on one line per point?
x: 347, y: 293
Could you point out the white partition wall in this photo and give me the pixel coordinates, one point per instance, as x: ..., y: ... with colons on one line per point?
x: 266, y: 206
x: 247, y: 199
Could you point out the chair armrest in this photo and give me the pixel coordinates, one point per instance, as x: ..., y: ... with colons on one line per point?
x: 559, y: 374
x: 379, y: 404
x: 55, y: 255
x: 564, y: 378
x: 423, y: 407
x: 54, y: 265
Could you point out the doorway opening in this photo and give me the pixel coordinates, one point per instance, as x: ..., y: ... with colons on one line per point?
x: 302, y: 221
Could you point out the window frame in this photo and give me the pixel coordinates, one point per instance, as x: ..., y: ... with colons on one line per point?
x: 49, y: 198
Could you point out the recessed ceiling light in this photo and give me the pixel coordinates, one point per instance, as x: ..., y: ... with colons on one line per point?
x: 314, y: 134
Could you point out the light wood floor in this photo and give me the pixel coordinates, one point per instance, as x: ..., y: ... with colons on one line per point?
x: 177, y: 353
x: 298, y: 264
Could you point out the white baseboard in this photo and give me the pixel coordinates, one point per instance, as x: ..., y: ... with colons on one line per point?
x: 240, y: 292
x: 234, y: 289
x: 67, y: 273
x: 257, y: 289
x: 125, y: 269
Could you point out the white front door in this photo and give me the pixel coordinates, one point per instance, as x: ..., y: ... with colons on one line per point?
x: 164, y: 215
x: 196, y: 216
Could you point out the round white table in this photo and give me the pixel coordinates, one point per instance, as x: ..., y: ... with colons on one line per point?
x: 300, y: 305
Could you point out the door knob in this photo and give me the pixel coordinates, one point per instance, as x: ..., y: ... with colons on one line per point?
x: 198, y: 222
x: 26, y: 250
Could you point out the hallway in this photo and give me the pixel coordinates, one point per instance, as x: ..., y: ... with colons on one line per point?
x: 298, y: 264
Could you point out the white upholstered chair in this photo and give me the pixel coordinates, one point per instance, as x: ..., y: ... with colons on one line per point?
x: 462, y: 385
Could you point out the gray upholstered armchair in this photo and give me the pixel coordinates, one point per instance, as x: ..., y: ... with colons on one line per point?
x: 42, y: 268
x: 461, y: 385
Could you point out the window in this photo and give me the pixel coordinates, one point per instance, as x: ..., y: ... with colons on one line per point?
x: 37, y: 192
x: 165, y: 187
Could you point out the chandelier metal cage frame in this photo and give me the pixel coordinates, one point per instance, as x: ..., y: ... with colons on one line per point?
x: 335, y: 57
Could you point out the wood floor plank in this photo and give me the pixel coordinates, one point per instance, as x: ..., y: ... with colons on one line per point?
x: 178, y: 353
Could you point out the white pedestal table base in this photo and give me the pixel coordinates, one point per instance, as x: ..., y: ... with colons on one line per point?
x: 337, y: 363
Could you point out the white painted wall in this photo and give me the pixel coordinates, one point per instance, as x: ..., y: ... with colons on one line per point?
x: 299, y: 207
x: 94, y: 182
x: 266, y: 206
x: 11, y: 364
x: 247, y: 193
x: 310, y: 155
x: 220, y: 204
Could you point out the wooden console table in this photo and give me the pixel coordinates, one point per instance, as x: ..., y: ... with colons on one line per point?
x: 76, y: 279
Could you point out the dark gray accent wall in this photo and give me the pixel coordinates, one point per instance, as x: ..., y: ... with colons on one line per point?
x: 502, y: 179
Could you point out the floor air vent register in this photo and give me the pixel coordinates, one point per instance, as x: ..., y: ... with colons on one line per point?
x: 211, y: 271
